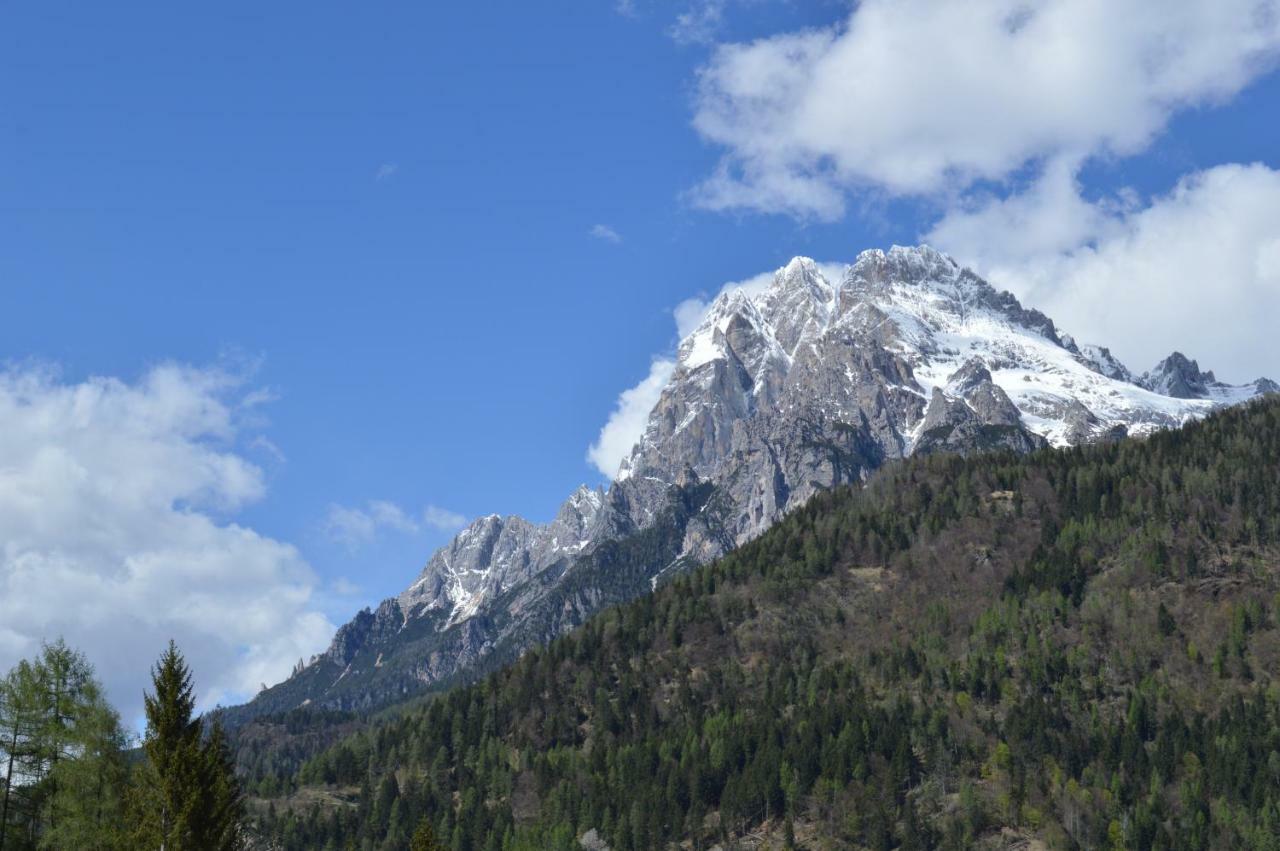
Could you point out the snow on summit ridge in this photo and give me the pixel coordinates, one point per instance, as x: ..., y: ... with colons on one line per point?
x: 919, y: 305
x: 780, y: 391
x: 815, y: 380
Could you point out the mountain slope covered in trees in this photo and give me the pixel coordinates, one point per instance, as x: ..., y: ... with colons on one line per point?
x: 785, y: 388
x: 1078, y: 646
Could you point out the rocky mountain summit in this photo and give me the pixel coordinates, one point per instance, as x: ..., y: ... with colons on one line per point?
x: 813, y: 381
x: 1180, y: 377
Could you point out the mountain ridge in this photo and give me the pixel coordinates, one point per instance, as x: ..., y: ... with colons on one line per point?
x: 779, y: 394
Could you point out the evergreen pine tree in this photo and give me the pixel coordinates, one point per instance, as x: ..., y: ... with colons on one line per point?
x: 424, y: 838
x: 166, y: 795
x: 224, y: 801
x: 187, y: 798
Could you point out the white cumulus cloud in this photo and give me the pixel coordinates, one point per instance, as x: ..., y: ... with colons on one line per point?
x: 1197, y: 268
x: 630, y: 414
x: 929, y: 96
x: 117, y: 502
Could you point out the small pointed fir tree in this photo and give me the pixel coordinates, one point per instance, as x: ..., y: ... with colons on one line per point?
x: 224, y: 800
x: 167, y: 796
x: 424, y: 838
x: 187, y: 797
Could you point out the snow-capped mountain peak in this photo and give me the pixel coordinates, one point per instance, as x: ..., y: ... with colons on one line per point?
x: 808, y: 382
x: 871, y: 349
x: 822, y: 375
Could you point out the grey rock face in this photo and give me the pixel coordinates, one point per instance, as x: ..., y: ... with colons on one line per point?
x: 495, y: 553
x: 981, y: 419
x: 1100, y: 359
x: 1179, y: 377
x: 592, y: 841
x: 814, y: 382
x: 991, y: 405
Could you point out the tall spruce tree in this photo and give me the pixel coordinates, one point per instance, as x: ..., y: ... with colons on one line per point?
x: 168, y: 791
x: 187, y: 797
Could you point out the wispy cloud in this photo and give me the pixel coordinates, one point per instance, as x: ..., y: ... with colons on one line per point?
x: 386, y: 171
x: 355, y: 526
x: 442, y: 518
x: 699, y: 24
x: 343, y: 587
x: 605, y: 233
x: 264, y: 445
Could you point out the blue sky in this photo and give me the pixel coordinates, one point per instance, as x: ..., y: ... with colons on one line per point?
x: 422, y: 248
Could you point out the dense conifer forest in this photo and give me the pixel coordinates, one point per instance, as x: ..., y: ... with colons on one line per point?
x: 1078, y: 648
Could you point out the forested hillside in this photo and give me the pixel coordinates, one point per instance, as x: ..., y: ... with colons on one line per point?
x: 1077, y: 646
x: 391, y: 657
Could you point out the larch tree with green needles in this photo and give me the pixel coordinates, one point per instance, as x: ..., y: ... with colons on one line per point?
x: 63, y: 756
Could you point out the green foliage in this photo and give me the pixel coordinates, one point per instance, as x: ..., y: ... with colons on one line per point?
x: 186, y: 796
x: 21, y: 711
x: 269, y: 751
x: 65, y: 778
x: 963, y: 646
x: 222, y: 796
x: 424, y: 838
x: 389, y: 671
x: 166, y: 811
x: 62, y: 751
